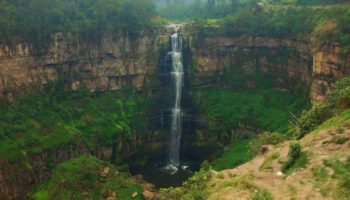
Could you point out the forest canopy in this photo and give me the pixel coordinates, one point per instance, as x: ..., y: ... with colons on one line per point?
x: 38, y: 19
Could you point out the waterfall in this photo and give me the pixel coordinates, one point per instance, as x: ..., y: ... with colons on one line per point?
x: 176, y: 118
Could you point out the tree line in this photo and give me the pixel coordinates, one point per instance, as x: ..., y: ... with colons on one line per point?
x: 37, y: 19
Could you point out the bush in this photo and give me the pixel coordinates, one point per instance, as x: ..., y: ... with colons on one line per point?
x: 294, y: 150
x: 265, y: 139
x: 194, y: 188
x: 335, y: 103
x: 294, y: 155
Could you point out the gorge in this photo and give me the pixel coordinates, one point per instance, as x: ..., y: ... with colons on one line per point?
x: 211, y: 102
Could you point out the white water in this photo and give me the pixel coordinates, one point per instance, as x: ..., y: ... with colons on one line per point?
x: 176, y: 120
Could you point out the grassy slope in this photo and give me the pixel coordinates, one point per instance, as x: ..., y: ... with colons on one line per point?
x: 321, y: 172
x: 81, y: 178
x: 266, y: 109
x: 42, y: 121
x: 322, y: 175
x: 237, y: 154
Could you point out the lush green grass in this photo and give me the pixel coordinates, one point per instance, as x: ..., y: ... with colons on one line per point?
x: 237, y: 154
x: 44, y: 120
x: 336, y: 121
x: 267, y: 109
x: 342, y: 176
x: 81, y: 178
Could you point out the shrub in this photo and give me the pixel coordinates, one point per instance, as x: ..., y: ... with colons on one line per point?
x: 294, y: 150
x: 339, y: 139
x: 193, y: 188
x: 293, y: 155
x: 264, y: 139
x: 205, y: 165
x: 335, y: 103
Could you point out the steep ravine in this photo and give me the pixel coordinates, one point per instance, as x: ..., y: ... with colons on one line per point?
x: 118, y: 60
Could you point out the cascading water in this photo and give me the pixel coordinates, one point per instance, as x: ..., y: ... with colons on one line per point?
x: 176, y: 118
x: 174, y: 113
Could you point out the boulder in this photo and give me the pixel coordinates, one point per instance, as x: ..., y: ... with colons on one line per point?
x: 148, y: 195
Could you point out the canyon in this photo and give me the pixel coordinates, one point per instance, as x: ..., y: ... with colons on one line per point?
x: 115, y: 61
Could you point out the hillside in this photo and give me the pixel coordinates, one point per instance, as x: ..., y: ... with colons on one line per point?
x: 322, y: 174
x: 321, y: 171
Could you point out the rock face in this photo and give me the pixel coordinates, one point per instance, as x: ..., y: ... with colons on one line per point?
x: 117, y: 60
x: 108, y: 64
x: 287, y: 63
x: 328, y: 66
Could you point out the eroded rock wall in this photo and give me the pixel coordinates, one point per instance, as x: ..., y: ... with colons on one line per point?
x: 107, y: 64
x: 288, y: 63
x: 328, y: 66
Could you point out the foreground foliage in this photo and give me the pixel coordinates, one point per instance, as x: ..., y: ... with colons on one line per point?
x: 87, y: 178
x: 195, y: 188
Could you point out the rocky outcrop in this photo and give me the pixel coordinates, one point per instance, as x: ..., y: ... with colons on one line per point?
x: 328, y: 66
x: 107, y: 64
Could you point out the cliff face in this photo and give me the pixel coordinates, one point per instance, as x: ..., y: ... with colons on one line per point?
x: 328, y: 66
x: 108, y: 64
x: 285, y: 62
x: 117, y: 60
x: 288, y: 63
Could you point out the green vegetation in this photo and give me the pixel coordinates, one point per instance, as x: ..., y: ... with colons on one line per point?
x: 261, y: 194
x: 268, y: 161
x: 44, y: 120
x: 267, y: 109
x: 36, y: 20
x: 296, y: 158
x: 308, y: 2
x: 324, y: 24
x: 341, y: 175
x: 339, y: 139
x: 265, y: 139
x: 336, y: 103
x: 195, y: 188
x: 238, y: 153
x: 87, y: 178
x: 321, y: 179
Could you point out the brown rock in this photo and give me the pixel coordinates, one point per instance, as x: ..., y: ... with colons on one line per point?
x: 148, y: 195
